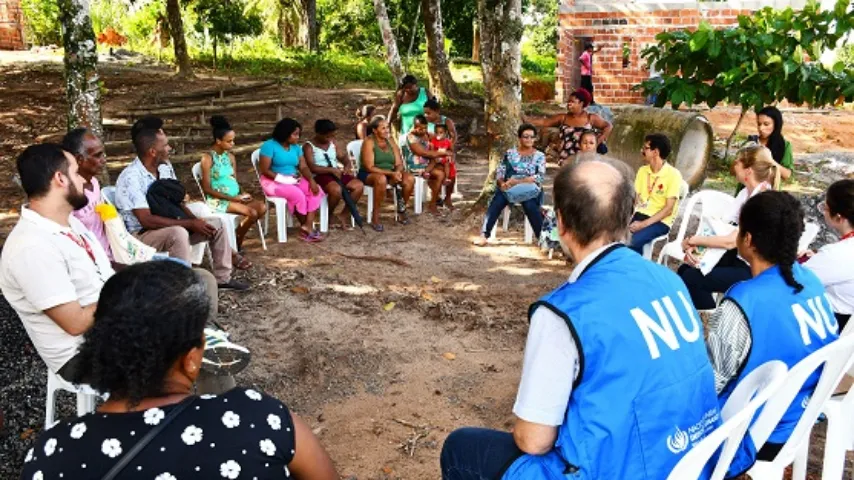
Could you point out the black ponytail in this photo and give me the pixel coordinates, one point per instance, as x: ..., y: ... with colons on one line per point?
x: 775, y: 222
x: 219, y: 126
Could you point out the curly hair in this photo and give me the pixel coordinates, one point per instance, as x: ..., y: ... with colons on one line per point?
x: 219, y: 126
x: 775, y: 222
x: 148, y: 316
x: 284, y: 129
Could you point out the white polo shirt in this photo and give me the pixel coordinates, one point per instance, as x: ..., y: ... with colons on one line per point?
x: 833, y: 264
x: 41, y: 268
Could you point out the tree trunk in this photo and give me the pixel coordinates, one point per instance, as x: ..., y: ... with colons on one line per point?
x: 732, y: 135
x: 82, y: 84
x: 392, y: 54
x: 176, y: 28
x: 500, y: 23
x: 309, y: 20
x: 475, y: 46
x: 214, y: 52
x: 414, y: 33
x: 441, y: 82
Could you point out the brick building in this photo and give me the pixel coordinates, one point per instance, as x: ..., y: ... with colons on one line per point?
x: 11, y: 25
x: 623, y: 29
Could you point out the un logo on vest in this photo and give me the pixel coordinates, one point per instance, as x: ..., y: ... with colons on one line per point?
x: 678, y: 442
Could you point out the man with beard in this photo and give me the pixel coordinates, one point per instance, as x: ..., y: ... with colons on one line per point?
x: 607, y: 353
x: 52, y: 268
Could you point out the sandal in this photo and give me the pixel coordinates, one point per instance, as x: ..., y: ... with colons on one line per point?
x: 222, y: 356
x: 403, y: 219
x: 378, y: 227
x: 240, y: 262
x: 312, y: 237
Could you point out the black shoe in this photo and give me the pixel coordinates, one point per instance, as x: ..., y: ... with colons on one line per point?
x: 234, y: 285
x: 440, y: 202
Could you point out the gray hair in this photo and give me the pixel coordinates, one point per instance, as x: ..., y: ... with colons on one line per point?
x: 595, y: 202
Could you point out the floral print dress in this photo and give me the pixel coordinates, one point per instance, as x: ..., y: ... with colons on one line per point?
x: 570, y: 139
x: 239, y: 434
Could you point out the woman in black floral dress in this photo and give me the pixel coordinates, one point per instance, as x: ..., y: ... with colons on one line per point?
x: 145, y: 350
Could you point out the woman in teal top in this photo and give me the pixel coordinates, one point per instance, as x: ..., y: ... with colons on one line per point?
x: 284, y: 173
x: 409, y: 102
x: 219, y: 182
x: 381, y: 166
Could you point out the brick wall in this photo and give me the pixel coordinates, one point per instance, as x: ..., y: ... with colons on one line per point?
x: 613, y: 25
x: 11, y: 25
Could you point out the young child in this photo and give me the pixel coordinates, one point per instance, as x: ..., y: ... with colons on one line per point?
x: 588, y: 142
x: 439, y: 141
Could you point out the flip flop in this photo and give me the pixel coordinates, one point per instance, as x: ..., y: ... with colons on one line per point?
x: 378, y: 227
x: 312, y: 237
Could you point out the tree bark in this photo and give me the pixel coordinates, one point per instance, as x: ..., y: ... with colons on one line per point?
x: 475, y: 46
x: 500, y: 24
x: 441, y: 82
x: 176, y: 28
x: 392, y: 54
x: 82, y: 83
x: 309, y: 28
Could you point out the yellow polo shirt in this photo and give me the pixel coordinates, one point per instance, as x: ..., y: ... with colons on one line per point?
x: 654, y: 189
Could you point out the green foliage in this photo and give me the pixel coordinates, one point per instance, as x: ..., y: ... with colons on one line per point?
x: 846, y: 55
x: 41, y: 21
x: 542, y: 34
x: 458, y: 19
x: 763, y: 60
x: 536, y: 66
x: 108, y: 14
x: 351, y: 25
x: 226, y: 19
x: 140, y: 25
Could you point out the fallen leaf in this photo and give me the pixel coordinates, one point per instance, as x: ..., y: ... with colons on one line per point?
x: 301, y: 290
x: 387, y: 470
x: 388, y: 306
x: 449, y: 356
x: 435, y: 279
x: 27, y: 433
x: 427, y: 296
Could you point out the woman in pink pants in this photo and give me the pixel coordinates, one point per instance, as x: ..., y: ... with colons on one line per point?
x: 285, y: 174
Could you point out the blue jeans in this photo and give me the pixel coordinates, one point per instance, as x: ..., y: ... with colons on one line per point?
x: 499, y: 202
x: 729, y: 271
x: 477, y: 454
x: 648, y: 234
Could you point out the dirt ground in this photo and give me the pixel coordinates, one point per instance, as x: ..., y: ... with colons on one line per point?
x: 382, y: 359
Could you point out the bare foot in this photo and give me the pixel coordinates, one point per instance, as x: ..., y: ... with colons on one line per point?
x: 434, y: 210
x: 481, y: 241
x: 450, y: 206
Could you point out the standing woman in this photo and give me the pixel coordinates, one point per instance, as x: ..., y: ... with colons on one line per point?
x: 364, y: 114
x: 219, y: 182
x: 756, y: 170
x: 381, y: 166
x: 285, y: 174
x: 832, y: 264
x: 519, y: 179
x: 574, y: 123
x: 409, y: 102
x: 769, y: 125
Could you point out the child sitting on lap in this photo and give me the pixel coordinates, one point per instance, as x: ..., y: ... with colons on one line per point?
x: 441, y: 141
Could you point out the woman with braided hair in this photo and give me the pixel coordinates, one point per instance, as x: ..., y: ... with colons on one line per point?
x: 797, y: 322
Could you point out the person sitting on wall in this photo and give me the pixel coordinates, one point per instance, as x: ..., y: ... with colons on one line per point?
x: 657, y: 185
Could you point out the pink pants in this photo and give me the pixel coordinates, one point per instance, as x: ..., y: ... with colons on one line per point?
x: 299, y: 195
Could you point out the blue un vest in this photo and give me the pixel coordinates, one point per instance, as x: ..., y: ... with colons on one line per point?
x: 785, y: 326
x: 645, y: 392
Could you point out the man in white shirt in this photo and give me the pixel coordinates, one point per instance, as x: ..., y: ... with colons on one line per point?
x: 52, y: 268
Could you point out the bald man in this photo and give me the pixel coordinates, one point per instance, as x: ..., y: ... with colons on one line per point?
x: 616, y: 382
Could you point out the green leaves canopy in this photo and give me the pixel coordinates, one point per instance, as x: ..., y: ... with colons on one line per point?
x: 770, y: 56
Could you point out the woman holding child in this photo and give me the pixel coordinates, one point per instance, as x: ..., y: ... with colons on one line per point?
x: 382, y: 165
x: 285, y: 174
x: 424, y: 161
x: 519, y: 179
x: 435, y: 119
x: 219, y: 182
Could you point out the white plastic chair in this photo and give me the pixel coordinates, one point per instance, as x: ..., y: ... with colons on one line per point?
x: 86, y: 397
x: 108, y: 194
x: 283, y: 219
x: 714, y: 204
x: 354, y: 150
x: 505, y: 225
x: 839, y: 437
x: 750, y: 394
x: 683, y: 194
x: 835, y: 359
x: 230, y: 221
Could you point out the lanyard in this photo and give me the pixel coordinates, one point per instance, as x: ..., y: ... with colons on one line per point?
x: 847, y: 236
x: 651, y: 184
x: 82, y: 243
